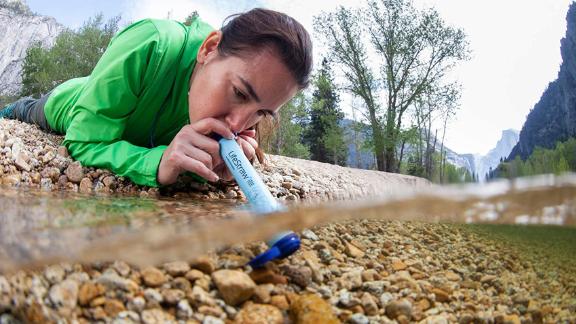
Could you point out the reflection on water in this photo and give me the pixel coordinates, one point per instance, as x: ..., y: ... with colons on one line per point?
x: 39, y: 227
x: 36, y: 225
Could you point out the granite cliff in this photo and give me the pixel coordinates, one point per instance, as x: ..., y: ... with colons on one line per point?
x: 553, y: 118
x: 19, y: 29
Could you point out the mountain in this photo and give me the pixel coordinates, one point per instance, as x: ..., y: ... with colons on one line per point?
x: 358, y: 157
x: 483, y: 163
x: 20, y: 29
x: 553, y: 118
x: 364, y: 159
x: 466, y: 161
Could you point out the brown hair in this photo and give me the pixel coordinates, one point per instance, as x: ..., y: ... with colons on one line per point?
x: 263, y: 28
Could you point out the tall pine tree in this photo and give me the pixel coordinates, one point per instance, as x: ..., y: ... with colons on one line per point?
x: 324, y: 135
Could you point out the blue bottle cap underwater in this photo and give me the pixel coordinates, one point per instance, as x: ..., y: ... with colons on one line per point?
x: 283, y: 244
x: 283, y: 248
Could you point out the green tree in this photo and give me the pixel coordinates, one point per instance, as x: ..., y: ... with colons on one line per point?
x: 287, y: 138
x: 74, y: 54
x: 323, y: 134
x: 562, y: 158
x: 191, y: 17
x: 342, y: 34
x: 333, y: 141
x: 416, y: 51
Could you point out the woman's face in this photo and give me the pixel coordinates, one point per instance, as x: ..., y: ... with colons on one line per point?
x: 239, y: 91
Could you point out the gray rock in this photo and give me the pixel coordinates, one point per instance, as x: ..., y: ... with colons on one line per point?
x: 385, y: 298
x: 199, y: 297
x: 375, y: 287
x: 38, y: 288
x: 24, y: 30
x: 310, y: 235
x: 212, y: 320
x: 114, y: 281
x: 153, y: 295
x: 325, y: 255
x: 347, y: 300
x: 4, y: 285
x: 121, y: 267
x: 79, y: 277
x: 352, y: 280
x: 358, y: 319
x: 183, y: 310
x: 8, y: 319
x: 126, y: 317
x: 64, y: 294
x: 54, y: 273
x: 137, y: 304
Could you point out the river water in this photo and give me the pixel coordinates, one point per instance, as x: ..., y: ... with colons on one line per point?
x: 38, y: 228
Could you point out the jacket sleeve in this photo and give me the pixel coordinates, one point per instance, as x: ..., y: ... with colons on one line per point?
x: 106, y: 102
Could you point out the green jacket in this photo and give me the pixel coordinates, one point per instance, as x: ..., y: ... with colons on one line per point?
x: 123, y: 115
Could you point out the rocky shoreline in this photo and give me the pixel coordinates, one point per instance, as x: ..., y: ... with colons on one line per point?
x: 351, y: 272
x: 32, y: 158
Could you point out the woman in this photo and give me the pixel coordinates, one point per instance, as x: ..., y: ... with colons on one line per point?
x: 161, y: 89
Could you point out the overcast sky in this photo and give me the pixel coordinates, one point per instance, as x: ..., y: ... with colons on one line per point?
x: 515, y: 49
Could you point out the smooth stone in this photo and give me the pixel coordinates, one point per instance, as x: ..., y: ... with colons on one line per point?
x: 234, y: 286
x: 54, y: 273
x: 64, y: 294
x: 184, y: 310
x: 176, y: 268
x: 397, y: 308
x: 312, y: 309
x: 308, y: 234
x: 300, y: 275
x: 74, y: 172
x: 155, y: 315
x: 205, y: 264
x: 89, y: 291
x: 259, y: 314
x: 153, y: 277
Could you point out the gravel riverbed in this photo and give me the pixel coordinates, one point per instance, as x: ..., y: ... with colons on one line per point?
x: 366, y: 271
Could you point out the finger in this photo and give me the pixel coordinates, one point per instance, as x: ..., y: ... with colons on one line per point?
x: 192, y: 138
x: 224, y: 173
x: 250, y: 140
x: 248, y: 149
x: 193, y: 165
x: 200, y: 155
x: 212, y: 125
x: 204, y: 143
x: 249, y: 132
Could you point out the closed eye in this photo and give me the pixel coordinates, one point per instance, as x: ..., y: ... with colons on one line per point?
x: 266, y: 113
x: 240, y: 95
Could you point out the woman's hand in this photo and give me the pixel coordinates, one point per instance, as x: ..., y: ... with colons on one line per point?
x: 192, y: 150
x: 247, y: 141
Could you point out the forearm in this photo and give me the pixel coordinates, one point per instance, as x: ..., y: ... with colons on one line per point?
x: 139, y: 164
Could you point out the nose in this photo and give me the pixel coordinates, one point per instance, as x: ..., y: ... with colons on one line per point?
x: 238, y: 120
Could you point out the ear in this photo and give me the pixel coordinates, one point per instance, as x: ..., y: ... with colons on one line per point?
x: 209, y: 47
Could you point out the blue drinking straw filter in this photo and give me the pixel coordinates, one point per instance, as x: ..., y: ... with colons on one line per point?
x: 282, y: 244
